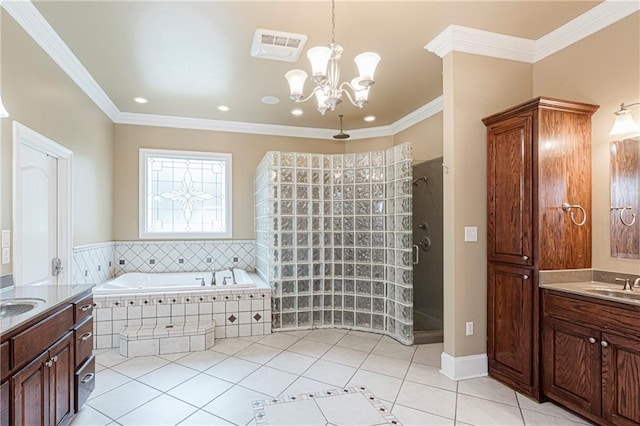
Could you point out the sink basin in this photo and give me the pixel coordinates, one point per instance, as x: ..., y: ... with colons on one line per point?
x: 616, y: 293
x: 13, y: 307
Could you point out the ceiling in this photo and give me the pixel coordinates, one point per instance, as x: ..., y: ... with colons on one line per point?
x: 189, y: 57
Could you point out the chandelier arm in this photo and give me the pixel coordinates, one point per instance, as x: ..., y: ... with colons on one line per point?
x: 346, y: 92
x: 313, y: 92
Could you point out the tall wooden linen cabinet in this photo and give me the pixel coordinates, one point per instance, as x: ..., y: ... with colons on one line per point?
x: 539, y: 159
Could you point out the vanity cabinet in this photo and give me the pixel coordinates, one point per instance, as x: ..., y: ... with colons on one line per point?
x: 47, y: 360
x: 591, y: 357
x: 538, y: 158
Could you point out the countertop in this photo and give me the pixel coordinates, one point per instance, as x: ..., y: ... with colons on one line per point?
x: 594, y: 289
x: 53, y: 295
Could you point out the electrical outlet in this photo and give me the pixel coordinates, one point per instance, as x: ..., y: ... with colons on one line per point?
x: 6, y: 256
x: 470, y: 328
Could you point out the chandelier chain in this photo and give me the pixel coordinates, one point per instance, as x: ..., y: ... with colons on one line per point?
x: 333, y: 21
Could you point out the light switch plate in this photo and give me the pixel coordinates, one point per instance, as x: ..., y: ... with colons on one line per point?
x: 471, y: 233
x: 6, y: 255
x: 6, y: 238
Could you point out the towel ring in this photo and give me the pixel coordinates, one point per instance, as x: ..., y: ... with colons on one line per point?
x: 566, y: 207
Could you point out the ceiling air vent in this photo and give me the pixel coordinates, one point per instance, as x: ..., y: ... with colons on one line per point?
x: 277, y: 45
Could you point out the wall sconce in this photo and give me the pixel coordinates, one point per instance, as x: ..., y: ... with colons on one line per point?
x: 3, y: 110
x: 624, y: 121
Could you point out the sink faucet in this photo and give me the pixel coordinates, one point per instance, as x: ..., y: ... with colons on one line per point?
x: 627, y: 284
x: 213, y: 277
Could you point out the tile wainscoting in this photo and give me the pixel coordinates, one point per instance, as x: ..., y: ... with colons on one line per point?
x: 96, y: 263
x: 237, y: 313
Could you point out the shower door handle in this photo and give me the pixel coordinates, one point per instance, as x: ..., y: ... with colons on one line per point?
x: 416, y: 254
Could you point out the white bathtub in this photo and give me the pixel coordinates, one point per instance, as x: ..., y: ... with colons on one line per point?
x: 138, y: 282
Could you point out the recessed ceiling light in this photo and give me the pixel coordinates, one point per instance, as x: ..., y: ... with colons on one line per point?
x: 370, y: 118
x: 141, y: 100
x: 270, y: 100
x: 223, y: 108
x: 296, y: 111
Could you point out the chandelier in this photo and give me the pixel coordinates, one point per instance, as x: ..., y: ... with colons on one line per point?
x: 326, y: 75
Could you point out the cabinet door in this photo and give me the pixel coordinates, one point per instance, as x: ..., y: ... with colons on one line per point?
x: 509, y: 196
x: 30, y: 393
x: 571, y: 365
x: 61, y: 379
x: 510, y: 323
x: 620, y: 380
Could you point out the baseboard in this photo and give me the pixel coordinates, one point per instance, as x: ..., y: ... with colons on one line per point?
x: 464, y: 367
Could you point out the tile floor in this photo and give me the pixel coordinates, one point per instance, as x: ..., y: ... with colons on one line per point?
x: 216, y: 387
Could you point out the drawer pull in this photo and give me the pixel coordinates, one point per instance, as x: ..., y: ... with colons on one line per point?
x: 49, y: 363
x: 87, y: 378
x: 86, y: 336
x: 525, y: 277
x: 525, y: 257
x: 87, y: 307
x: 592, y: 340
x: 604, y: 344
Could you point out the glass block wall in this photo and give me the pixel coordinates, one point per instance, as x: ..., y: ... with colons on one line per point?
x: 333, y: 239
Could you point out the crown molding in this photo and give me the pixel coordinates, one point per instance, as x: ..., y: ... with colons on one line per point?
x: 30, y: 19
x: 420, y: 114
x: 456, y: 38
x: 590, y: 22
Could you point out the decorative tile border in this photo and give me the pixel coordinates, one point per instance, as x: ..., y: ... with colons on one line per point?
x: 261, y: 417
x: 183, y: 256
x: 237, y: 313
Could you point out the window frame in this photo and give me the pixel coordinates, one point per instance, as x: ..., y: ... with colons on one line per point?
x: 143, y: 155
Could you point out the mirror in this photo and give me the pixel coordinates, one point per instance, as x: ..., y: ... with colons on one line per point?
x: 625, y: 198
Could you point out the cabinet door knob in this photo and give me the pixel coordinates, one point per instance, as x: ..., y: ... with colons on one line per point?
x: 55, y: 358
x: 604, y: 343
x: 525, y: 277
x: 592, y: 340
x: 525, y: 257
x: 49, y: 363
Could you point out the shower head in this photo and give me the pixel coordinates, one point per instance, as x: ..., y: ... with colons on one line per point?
x: 421, y: 178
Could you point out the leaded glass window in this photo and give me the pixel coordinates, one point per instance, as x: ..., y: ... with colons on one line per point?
x: 185, y: 194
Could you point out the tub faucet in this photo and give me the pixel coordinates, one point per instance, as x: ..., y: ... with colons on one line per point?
x: 201, y: 281
x: 627, y: 284
x: 233, y: 276
x: 213, y: 277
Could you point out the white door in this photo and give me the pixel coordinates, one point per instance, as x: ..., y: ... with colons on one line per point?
x: 38, y: 173
x: 41, y: 209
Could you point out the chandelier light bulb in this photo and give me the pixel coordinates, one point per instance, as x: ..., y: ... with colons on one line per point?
x: 322, y: 101
x: 361, y: 92
x: 367, y: 63
x: 319, y: 58
x: 296, y: 79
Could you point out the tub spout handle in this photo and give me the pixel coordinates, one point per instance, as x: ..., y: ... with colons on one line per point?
x: 201, y: 281
x: 224, y: 281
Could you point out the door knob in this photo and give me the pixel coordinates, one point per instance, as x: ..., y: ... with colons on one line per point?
x: 525, y: 277
x: 525, y: 257
x: 604, y: 344
x: 592, y: 340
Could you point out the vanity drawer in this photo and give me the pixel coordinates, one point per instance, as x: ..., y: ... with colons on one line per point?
x: 83, y: 336
x: 85, y: 381
x: 30, y: 343
x: 83, y: 308
x: 599, y: 313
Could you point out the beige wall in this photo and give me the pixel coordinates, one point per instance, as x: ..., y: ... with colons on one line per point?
x: 426, y: 137
x: 370, y: 144
x: 474, y: 87
x: 247, y: 151
x: 603, y: 69
x: 38, y: 94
